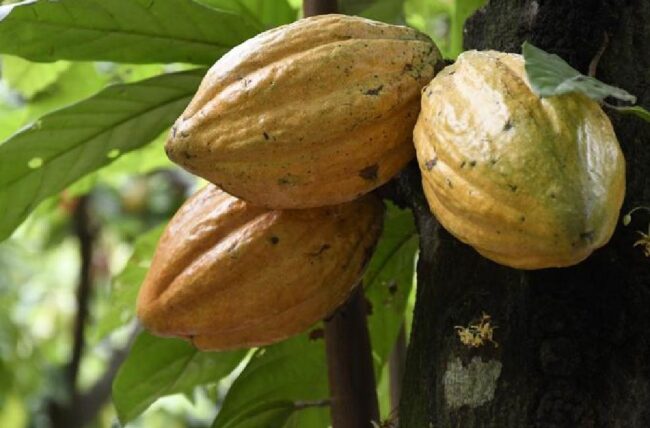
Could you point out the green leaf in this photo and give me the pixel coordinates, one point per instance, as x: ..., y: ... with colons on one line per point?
x: 30, y: 78
x: 278, y: 376
x: 127, y: 284
x: 389, y: 279
x: 266, y: 13
x: 65, y: 145
x: 80, y: 80
x: 390, y: 11
x: 158, y: 367
x: 462, y: 9
x: 637, y: 111
x: 550, y: 75
x: 295, y: 371
x: 134, y: 31
x: 267, y: 414
x: 11, y: 118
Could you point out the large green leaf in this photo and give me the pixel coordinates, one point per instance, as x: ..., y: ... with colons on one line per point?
x: 275, y: 381
x: 135, y: 31
x: 266, y: 13
x: 550, y: 75
x: 158, y: 367
x: 127, y: 284
x: 289, y: 379
x: 65, y: 145
x: 30, y: 78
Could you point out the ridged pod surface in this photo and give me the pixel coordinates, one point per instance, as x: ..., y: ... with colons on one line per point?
x: 313, y: 113
x: 228, y: 275
x: 529, y: 182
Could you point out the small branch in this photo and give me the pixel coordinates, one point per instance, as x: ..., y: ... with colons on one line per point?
x: 349, y: 364
x: 593, y: 65
x: 319, y: 7
x: 86, y: 235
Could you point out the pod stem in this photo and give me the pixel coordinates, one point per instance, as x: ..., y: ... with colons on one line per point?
x: 349, y: 365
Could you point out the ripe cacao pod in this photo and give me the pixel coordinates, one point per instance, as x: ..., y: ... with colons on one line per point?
x: 529, y: 182
x: 227, y: 274
x: 309, y: 114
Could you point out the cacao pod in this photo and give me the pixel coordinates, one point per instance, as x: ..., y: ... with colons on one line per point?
x: 309, y: 114
x: 529, y: 182
x: 227, y: 274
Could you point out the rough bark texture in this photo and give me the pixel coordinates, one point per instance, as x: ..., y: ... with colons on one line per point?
x: 573, y: 344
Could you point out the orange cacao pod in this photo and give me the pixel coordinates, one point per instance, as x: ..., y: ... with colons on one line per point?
x: 227, y: 274
x: 309, y: 114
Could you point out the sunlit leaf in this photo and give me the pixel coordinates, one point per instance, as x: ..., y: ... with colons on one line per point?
x: 11, y: 119
x: 78, y: 81
x: 550, y: 75
x: 134, y: 31
x: 127, y: 284
x: 29, y: 78
x: 158, y: 367
x: 65, y: 145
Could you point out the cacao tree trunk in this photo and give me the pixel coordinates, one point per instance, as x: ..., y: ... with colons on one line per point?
x: 573, y: 344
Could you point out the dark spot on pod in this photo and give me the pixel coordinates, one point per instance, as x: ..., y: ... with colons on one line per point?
x: 449, y: 183
x: 316, y: 334
x: 552, y: 195
x: 408, y: 67
x: 174, y: 129
x: 507, y: 126
x: 187, y: 154
x: 374, y: 91
x: 513, y: 187
x: 462, y: 164
x: 522, y: 219
x: 369, y: 172
x: 430, y: 164
x: 452, y: 72
x: 274, y: 240
x: 266, y: 136
x: 472, y: 163
x: 493, y: 161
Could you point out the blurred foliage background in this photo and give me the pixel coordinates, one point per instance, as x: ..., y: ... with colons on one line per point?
x: 90, y: 243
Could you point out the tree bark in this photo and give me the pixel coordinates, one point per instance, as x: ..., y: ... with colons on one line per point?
x: 573, y: 344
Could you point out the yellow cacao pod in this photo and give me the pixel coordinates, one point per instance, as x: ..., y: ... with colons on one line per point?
x: 313, y: 113
x: 529, y: 182
x: 227, y: 274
